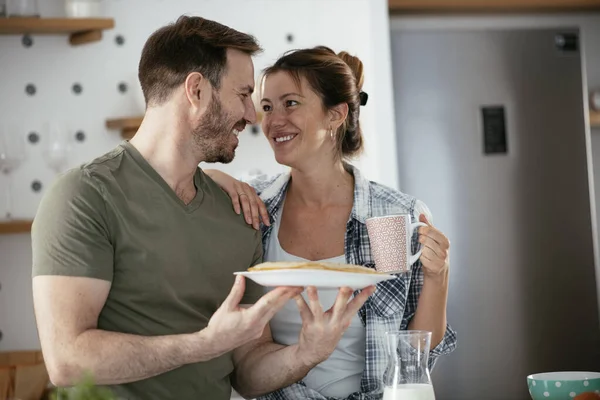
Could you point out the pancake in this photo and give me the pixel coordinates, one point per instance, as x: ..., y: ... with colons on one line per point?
x: 313, y: 265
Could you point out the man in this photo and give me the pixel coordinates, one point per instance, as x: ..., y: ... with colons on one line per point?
x: 134, y: 252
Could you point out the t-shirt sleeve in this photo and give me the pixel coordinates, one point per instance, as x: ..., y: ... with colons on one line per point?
x: 70, y: 234
x: 253, y: 290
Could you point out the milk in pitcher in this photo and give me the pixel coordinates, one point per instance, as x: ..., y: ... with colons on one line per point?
x: 409, y: 391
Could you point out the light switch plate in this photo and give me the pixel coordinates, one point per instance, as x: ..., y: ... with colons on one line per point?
x: 494, y: 130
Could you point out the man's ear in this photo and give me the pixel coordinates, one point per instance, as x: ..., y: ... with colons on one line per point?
x: 195, y: 86
x: 338, y: 114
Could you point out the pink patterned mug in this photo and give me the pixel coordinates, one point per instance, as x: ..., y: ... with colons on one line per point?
x: 390, y: 238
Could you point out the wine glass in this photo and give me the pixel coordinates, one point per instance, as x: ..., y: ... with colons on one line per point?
x: 22, y: 8
x: 56, y: 146
x: 12, y: 154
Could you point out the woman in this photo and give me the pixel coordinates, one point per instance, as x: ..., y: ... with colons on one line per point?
x: 311, y: 102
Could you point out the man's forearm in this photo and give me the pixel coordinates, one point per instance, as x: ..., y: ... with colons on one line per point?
x: 113, y: 358
x: 268, y: 367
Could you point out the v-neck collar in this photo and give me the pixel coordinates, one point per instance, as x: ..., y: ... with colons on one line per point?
x: 158, y: 179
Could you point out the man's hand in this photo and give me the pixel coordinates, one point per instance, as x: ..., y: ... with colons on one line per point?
x: 232, y: 326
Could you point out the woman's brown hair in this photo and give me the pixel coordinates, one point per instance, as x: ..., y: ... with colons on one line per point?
x: 336, y: 78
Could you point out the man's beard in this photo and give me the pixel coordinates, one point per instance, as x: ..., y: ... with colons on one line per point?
x: 211, y: 136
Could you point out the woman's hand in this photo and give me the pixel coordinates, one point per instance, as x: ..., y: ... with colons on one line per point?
x: 435, y: 257
x: 243, y: 197
x: 321, y: 331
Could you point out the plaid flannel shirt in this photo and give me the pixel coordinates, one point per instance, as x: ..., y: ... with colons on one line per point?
x: 394, y: 303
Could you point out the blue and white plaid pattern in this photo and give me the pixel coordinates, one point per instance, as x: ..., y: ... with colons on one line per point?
x: 394, y: 303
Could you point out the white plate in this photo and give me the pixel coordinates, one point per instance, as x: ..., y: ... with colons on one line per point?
x: 322, y: 279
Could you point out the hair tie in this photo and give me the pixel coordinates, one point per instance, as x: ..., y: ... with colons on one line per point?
x: 363, y: 98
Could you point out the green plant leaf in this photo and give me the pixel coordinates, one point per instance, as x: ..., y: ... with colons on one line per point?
x: 85, y: 389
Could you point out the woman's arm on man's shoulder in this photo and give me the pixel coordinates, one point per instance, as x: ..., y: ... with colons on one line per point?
x: 243, y: 197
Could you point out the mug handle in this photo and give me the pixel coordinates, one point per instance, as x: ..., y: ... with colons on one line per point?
x: 413, y: 258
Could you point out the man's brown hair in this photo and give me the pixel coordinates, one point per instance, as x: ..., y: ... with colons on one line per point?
x: 191, y: 44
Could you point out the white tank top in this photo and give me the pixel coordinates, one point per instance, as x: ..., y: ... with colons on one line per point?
x: 340, y: 374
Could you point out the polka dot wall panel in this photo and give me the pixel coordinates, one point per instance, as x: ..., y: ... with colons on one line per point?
x: 56, y: 98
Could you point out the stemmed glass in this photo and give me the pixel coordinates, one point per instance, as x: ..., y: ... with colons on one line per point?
x: 12, y: 154
x: 22, y: 8
x: 56, y: 147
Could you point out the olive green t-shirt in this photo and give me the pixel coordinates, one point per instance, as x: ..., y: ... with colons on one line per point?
x: 170, y: 264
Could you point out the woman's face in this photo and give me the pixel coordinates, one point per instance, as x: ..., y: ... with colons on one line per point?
x: 295, y: 122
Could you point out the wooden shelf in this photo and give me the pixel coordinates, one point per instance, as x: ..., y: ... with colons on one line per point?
x: 461, y: 6
x: 16, y: 226
x: 595, y: 119
x: 128, y: 126
x: 80, y: 30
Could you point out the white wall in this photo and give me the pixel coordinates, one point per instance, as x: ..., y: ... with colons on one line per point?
x: 358, y: 26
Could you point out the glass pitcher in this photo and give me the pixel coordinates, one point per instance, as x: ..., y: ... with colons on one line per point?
x: 407, y: 372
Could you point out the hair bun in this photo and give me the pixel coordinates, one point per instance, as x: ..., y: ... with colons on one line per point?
x: 355, y: 65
